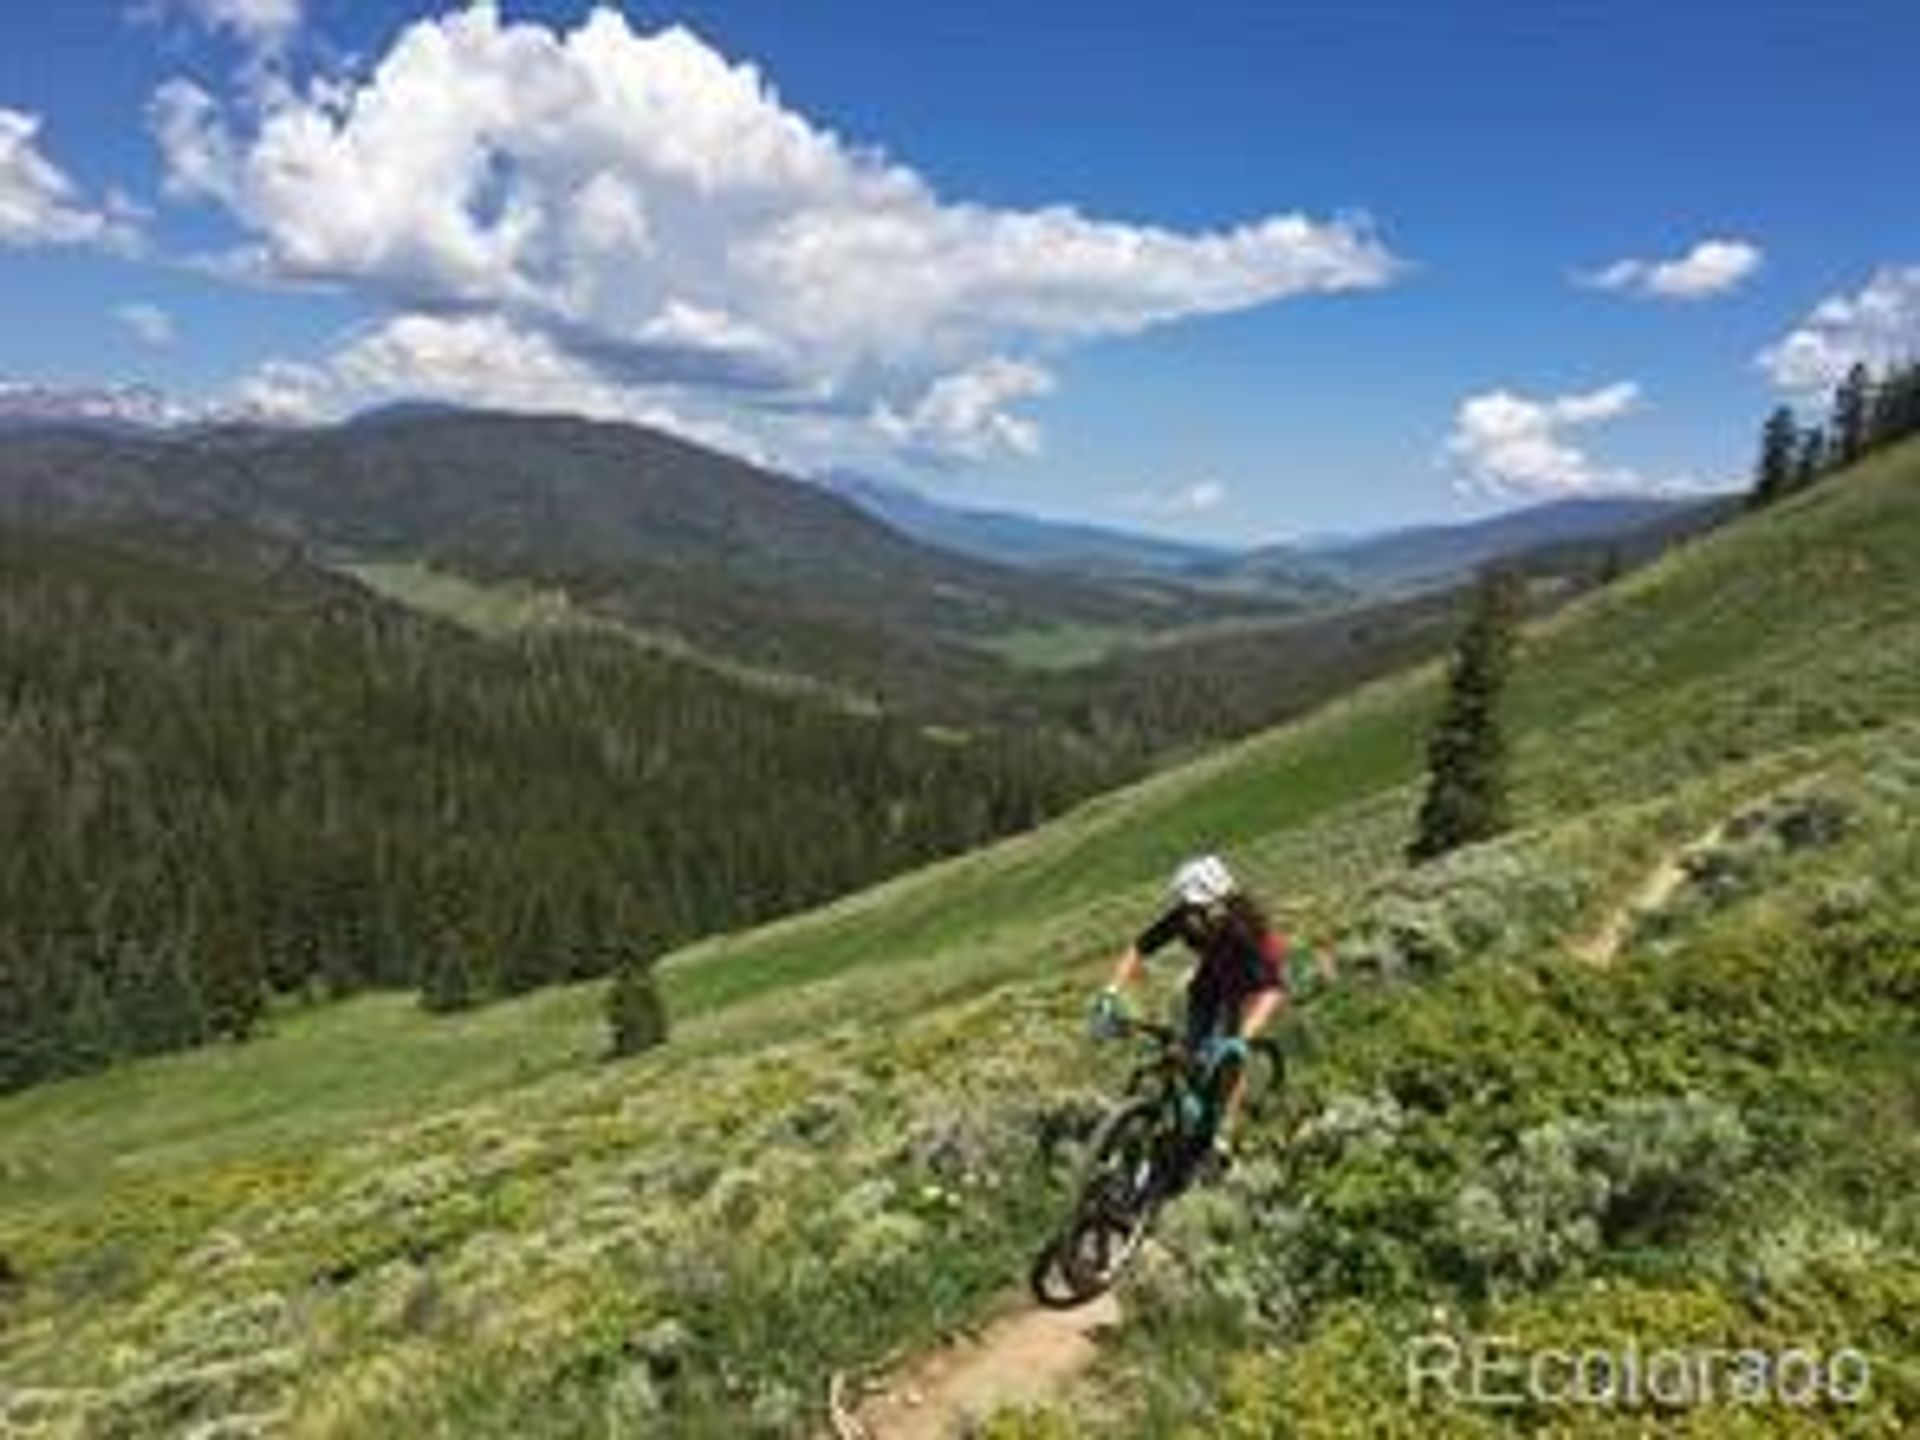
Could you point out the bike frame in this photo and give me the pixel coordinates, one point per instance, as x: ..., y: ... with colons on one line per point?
x: 1175, y: 1075
x: 1166, y: 1092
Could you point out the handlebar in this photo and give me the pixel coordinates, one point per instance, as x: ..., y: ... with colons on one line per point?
x: 1167, y: 1037
x: 1164, y: 1034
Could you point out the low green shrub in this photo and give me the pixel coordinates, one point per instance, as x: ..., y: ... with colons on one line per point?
x: 1572, y: 1188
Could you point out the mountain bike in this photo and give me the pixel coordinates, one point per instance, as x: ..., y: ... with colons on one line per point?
x: 1153, y: 1144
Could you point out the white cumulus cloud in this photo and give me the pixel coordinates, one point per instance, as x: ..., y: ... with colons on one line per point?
x: 657, y: 211
x: 39, y: 202
x: 965, y: 415
x: 1712, y: 267
x: 480, y: 361
x: 1878, y: 325
x: 1514, y: 445
x: 149, y: 324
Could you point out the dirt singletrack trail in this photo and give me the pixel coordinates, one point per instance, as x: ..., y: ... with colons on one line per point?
x: 1604, y: 942
x: 1022, y: 1358
x: 1600, y: 946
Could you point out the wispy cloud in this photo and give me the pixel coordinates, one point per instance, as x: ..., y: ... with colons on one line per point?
x: 149, y: 324
x: 1198, y: 498
x: 966, y: 415
x: 41, y: 205
x: 265, y: 27
x: 1710, y: 268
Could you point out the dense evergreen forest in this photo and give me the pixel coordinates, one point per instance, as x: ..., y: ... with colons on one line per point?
x: 232, y: 778
x: 227, y: 777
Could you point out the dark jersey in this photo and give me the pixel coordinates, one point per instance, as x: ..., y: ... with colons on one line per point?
x: 1233, y: 964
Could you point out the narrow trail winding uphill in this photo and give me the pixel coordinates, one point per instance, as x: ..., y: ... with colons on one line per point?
x: 1603, y: 944
x: 1024, y: 1357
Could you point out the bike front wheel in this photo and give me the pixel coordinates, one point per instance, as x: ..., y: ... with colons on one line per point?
x: 1120, y: 1190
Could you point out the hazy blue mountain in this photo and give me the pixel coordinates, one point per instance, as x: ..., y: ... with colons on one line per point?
x: 1013, y: 538
x: 1390, y: 560
x: 1032, y: 542
x: 1432, y: 554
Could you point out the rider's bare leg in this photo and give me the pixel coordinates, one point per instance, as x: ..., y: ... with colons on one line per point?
x: 1257, y: 1014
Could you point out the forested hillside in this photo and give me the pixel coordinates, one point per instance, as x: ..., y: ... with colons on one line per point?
x: 227, y: 778
x: 234, y: 778
x: 636, y: 525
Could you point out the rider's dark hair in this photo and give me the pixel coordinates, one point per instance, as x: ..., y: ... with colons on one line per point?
x: 1245, y: 920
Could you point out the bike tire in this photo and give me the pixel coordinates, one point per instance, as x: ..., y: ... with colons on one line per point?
x: 1061, y: 1276
x: 1053, y: 1285
x: 1115, y: 1206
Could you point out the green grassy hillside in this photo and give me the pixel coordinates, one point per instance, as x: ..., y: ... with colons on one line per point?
x: 514, y: 609
x: 1783, y: 631
x: 376, y: 1223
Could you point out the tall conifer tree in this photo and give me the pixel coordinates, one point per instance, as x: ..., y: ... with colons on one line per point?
x: 1773, y: 476
x: 1852, y: 404
x: 1466, y: 797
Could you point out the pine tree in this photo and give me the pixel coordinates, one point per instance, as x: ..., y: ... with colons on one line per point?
x: 591, y: 946
x: 158, y: 1004
x: 1466, y: 797
x: 1810, y: 457
x: 450, y: 974
x: 229, y: 978
x: 1851, y: 405
x: 1779, y: 443
x: 635, y: 1012
x: 533, y: 948
x: 1896, y: 407
x: 32, y: 1014
x: 91, y: 1036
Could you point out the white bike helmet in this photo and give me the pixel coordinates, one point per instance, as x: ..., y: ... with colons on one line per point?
x: 1202, y: 881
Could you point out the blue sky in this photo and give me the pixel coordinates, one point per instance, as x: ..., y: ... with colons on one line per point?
x: 1024, y: 255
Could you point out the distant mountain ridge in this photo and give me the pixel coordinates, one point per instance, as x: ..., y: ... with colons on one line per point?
x: 650, y: 529
x: 1310, y: 572
x: 1390, y: 560
x: 1031, y: 542
x: 1014, y: 537
x: 133, y: 409
x: 1423, y: 555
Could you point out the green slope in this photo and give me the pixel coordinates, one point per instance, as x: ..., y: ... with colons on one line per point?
x: 1783, y: 629
x: 836, y: 1158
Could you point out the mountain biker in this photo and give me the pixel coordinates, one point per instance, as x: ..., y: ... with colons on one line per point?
x: 1235, y: 991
